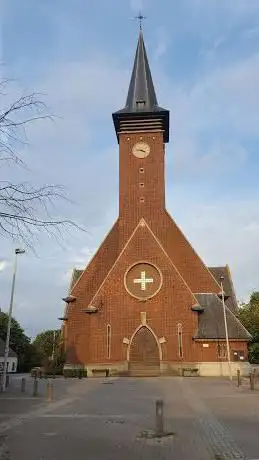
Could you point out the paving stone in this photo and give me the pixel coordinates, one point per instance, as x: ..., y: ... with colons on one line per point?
x: 90, y: 420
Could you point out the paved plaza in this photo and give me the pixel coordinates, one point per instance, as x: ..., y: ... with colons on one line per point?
x: 110, y: 419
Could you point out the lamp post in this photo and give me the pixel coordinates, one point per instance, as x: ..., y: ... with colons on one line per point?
x: 53, y: 346
x: 7, y: 341
x: 226, y: 327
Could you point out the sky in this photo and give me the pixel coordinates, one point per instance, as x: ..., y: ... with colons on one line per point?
x: 204, y: 58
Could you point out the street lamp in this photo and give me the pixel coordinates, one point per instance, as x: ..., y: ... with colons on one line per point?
x: 226, y: 326
x: 7, y: 341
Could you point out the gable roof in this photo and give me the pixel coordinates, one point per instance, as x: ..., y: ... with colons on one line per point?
x: 143, y: 224
x: 12, y: 354
x: 211, y: 320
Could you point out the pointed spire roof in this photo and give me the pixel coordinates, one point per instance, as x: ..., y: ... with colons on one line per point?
x: 141, y: 94
x: 141, y: 98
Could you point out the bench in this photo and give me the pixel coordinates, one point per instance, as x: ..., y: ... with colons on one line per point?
x: 100, y: 372
x: 189, y: 372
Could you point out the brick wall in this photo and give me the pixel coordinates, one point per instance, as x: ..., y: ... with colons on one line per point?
x: 210, y: 353
x: 123, y: 312
x: 182, y: 270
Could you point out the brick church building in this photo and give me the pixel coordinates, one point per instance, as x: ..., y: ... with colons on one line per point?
x: 147, y: 304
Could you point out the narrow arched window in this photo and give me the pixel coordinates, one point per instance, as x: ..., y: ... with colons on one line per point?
x: 180, y: 340
x: 109, y: 333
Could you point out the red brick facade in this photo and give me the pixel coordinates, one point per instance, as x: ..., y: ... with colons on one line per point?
x: 143, y: 233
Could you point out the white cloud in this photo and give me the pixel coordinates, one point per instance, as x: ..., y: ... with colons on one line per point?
x: 223, y: 231
x: 162, y: 43
x: 228, y: 95
x: 208, y: 17
x: 3, y: 264
x: 212, y: 118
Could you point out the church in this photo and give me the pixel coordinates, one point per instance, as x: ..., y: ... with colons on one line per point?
x: 147, y: 304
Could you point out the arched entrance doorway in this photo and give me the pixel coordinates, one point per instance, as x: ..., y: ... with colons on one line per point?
x: 144, y: 357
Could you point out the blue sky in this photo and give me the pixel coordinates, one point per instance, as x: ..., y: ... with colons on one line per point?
x: 204, y: 57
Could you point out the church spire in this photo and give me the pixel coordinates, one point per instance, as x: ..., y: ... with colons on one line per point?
x: 141, y: 102
x: 141, y: 94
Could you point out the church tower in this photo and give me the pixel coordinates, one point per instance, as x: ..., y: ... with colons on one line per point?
x: 142, y: 129
x: 146, y: 304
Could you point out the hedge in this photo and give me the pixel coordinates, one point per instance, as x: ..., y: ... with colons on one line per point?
x: 73, y: 373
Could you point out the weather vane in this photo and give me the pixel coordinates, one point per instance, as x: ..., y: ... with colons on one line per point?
x: 140, y: 17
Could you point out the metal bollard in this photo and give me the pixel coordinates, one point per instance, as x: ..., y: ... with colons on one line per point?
x: 35, y: 387
x: 159, y: 417
x: 23, y: 384
x: 238, y: 378
x: 7, y: 381
x: 50, y: 390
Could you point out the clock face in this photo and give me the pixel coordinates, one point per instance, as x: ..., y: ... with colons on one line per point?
x: 141, y: 150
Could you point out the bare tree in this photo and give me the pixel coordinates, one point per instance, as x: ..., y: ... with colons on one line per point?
x: 24, y: 208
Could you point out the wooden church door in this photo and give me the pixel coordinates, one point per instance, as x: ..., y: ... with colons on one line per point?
x: 144, y: 354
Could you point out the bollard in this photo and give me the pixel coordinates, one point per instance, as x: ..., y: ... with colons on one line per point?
x: 159, y: 417
x: 238, y: 378
x: 35, y: 387
x: 23, y: 383
x: 106, y: 373
x: 252, y: 380
x: 50, y: 390
x: 7, y: 381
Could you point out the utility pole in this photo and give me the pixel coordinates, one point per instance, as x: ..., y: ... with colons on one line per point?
x: 226, y: 327
x: 7, y: 341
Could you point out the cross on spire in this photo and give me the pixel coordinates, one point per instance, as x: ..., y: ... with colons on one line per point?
x: 140, y: 17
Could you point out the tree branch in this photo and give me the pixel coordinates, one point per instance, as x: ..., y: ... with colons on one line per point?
x: 24, y: 208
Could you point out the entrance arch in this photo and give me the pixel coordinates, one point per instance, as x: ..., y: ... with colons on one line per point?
x: 144, y: 354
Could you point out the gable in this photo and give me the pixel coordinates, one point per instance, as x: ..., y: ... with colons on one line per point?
x: 192, y: 269
x: 144, y: 247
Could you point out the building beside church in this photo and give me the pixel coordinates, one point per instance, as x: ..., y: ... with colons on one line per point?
x: 147, y: 304
x: 12, y: 362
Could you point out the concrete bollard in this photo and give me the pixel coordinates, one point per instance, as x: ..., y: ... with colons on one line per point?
x: 252, y: 380
x: 35, y: 387
x: 50, y: 390
x: 159, y: 417
x: 238, y: 378
x: 23, y: 385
